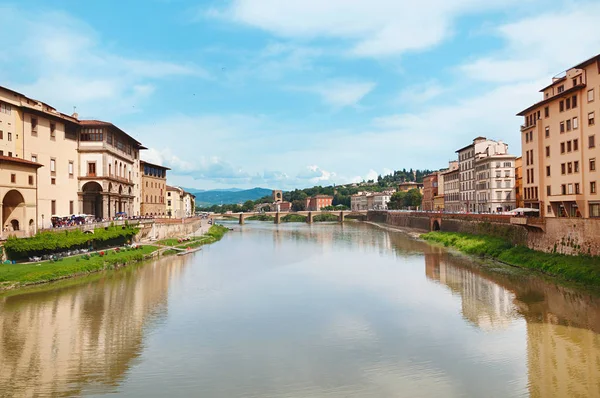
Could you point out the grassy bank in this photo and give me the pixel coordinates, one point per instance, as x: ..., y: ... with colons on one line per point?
x: 581, y: 269
x: 17, y: 275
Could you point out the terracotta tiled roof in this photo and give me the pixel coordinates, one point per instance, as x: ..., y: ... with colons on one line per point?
x: 10, y: 159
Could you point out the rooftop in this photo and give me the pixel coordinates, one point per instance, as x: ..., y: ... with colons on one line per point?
x: 155, y: 165
x: 10, y: 159
x: 109, y: 124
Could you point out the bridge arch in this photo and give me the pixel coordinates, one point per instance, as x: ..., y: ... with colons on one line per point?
x: 435, y: 225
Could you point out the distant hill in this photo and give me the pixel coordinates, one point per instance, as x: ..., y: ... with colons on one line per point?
x: 229, y: 196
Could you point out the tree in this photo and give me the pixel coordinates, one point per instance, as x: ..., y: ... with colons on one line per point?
x: 397, y: 201
x: 248, y: 205
x: 414, y: 197
x: 298, y: 205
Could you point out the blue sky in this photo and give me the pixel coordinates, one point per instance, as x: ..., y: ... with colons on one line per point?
x: 284, y: 94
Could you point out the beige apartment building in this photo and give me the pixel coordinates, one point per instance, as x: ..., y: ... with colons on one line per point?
x: 34, y: 131
x: 560, y: 154
x: 174, y: 202
x: 154, y: 186
x: 495, y: 183
x: 451, y: 184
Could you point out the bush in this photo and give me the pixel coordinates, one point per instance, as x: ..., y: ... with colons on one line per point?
x: 50, y: 242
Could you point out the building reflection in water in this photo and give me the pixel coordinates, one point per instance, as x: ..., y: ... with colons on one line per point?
x: 563, y: 340
x: 62, y: 340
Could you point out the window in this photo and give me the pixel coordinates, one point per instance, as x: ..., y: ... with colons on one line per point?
x: 576, y: 166
x: 570, y: 168
x: 592, y: 164
x: 570, y: 189
x: 568, y: 146
x: 92, y: 134
x: 592, y: 141
x: 563, y: 189
x: 590, y: 95
x: 562, y: 147
x: 13, y: 178
x: 71, y: 207
x: 591, y: 119
x: 561, y: 106
x: 34, y: 158
x: 575, y: 123
x: 5, y: 108
x: 92, y: 169
x: 561, y: 88
x: 574, y: 101
x: 595, y: 210
x: 1, y: 135
x: 547, y: 151
x: 53, y: 165
x: 53, y: 180
x: 547, y: 132
x: 568, y: 103
x: 53, y: 207
x: 563, y: 168
x: 546, y: 112
x: 10, y: 154
x: 70, y: 168
x: 577, y: 188
x: 9, y: 136
x: 575, y: 145
x: 547, y: 171
x: 569, y: 125
x: 52, y: 131
x: 548, y: 190
x: 593, y: 187
x: 34, y: 123
x: 562, y: 127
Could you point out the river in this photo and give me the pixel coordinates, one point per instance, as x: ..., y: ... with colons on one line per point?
x: 296, y: 310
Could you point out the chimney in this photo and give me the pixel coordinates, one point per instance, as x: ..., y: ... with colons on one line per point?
x: 75, y: 115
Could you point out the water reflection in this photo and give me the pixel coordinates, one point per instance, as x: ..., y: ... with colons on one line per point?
x: 302, y: 311
x: 59, y: 341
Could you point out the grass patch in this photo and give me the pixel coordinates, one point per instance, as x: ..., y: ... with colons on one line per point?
x: 582, y: 269
x: 11, y: 274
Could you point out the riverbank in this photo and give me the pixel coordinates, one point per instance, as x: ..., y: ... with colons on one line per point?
x: 579, y: 269
x: 13, y: 276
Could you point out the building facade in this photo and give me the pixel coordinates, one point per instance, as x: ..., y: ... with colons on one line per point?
x: 495, y: 183
x: 430, y: 191
x: 519, y: 182
x: 108, y: 170
x: 189, y: 204
x: 154, y: 185
x: 174, y: 198
x: 559, y: 150
x: 18, y: 192
x: 408, y: 185
x: 451, y: 182
x: 317, y: 202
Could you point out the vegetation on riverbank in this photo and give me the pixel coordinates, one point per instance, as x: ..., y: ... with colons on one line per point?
x: 261, y: 217
x: 17, y: 275
x: 325, y: 217
x: 293, y: 218
x: 582, y: 269
x: 50, y: 242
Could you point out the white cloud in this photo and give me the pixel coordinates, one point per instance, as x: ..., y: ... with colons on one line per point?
x: 373, y: 28
x: 421, y: 93
x: 541, y: 46
x: 340, y: 94
x: 71, y: 66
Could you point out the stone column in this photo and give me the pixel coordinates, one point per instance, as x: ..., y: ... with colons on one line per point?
x: 80, y: 203
x: 242, y: 219
x: 277, y: 218
x: 1, y: 220
x: 106, y: 206
x: 341, y: 217
x: 309, y: 217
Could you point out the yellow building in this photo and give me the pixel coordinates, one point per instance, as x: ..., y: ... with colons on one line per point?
x: 559, y: 149
x: 154, y: 186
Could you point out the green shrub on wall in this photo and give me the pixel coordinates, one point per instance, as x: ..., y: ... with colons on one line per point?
x: 51, y: 242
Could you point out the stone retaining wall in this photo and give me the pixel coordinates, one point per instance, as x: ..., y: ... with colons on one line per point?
x: 165, y: 230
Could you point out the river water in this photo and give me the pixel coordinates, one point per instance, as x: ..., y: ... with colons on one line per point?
x: 295, y: 310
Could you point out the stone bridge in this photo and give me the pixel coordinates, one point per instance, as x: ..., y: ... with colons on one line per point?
x: 310, y: 215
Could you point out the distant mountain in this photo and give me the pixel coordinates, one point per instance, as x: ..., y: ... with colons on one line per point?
x: 228, y: 196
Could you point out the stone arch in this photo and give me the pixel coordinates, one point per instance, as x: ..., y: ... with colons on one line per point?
x: 110, y: 187
x: 92, y: 198
x: 31, y: 226
x: 13, y: 210
x: 435, y: 225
